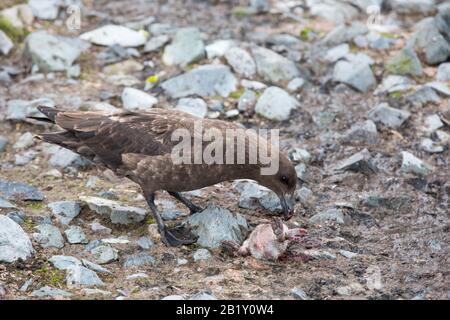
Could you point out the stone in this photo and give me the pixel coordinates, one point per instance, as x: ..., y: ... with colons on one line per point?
x: 443, y: 72
x: 273, y: 67
x: 352, y: 289
x: 6, y: 204
x: 17, y: 216
x: 405, y: 62
x: 241, y: 62
x: 16, y: 191
x: 6, y: 44
x: 137, y: 100
x: 19, y: 16
x: 95, y: 292
x: 129, y: 66
x: 3, y: 143
x: 64, y: 158
x: 423, y: 96
x: 337, y: 53
x: 335, y: 11
x: 295, y: 84
x: 156, y: 43
x: 45, y: 9
x: 299, y: 294
x: 140, y: 259
x: 300, y: 154
x: 343, y: 33
x: 330, y: 215
x: 253, y: 85
x: 430, y: 146
x: 412, y: 164
x: 110, y: 35
x: 14, y: 242
x: 161, y: 28
x: 75, y: 235
x: 259, y: 6
x: 194, y: 106
x: 64, y: 262
x: 247, y: 101
x: 388, y: 116
x: 206, y: 80
x: 360, y: 162
x: 439, y: 87
x: 80, y: 276
x: 104, y: 254
x: 362, y: 132
x: 215, y: 224
x: 319, y: 254
x: 65, y: 211
x: 47, y: 291
x: 358, y: 75
x: 409, y: 7
x: 26, y: 140
x: 395, y: 83
x: 19, y: 110
x: 201, y: 255
x: 145, y: 243
x: 348, y: 254
x: 187, y: 47
x: 95, y: 267
x: 118, y: 213
x: 276, y: 104
x: 52, y: 53
x: 218, y: 48
x: 254, y: 196
x: 202, y: 296
x: 432, y: 123
x: 48, y: 236
x: 25, y: 158
x: 97, y: 227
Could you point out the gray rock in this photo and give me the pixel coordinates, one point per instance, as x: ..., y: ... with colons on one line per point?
x: 48, y: 236
x: 95, y: 267
x: 218, y: 48
x: 390, y: 117
x: 348, y: 254
x: 319, y: 254
x: 118, y: 213
x: 26, y: 285
x: 64, y: 158
x: 330, y: 215
x: 45, y: 9
x: 75, y: 235
x: 254, y: 196
x: 405, y: 62
x: 352, y: 289
x: 423, y: 96
x: 362, y: 131
x: 355, y: 74
x: 247, y: 101
x: 295, y: 84
x: 47, y: 291
x: 19, y: 191
x: 432, y: 123
x: 301, y: 155
x: 80, y: 276
x: 174, y: 297
x: 335, y: 11
x: 205, y: 80
x: 412, y: 164
x: 25, y: 158
x: 65, y: 211
x: 232, y: 113
x: 3, y: 143
x: 276, y: 104
x: 260, y: 6
x: 187, y: 47
x: 162, y: 28
x: 443, y: 72
x: 95, y: 292
x: 343, y: 33
x: 424, y: 7
x: 4, y: 204
x: 104, y: 254
x: 64, y: 262
x: 110, y: 35
x: 140, y: 259
x: 97, y: 227
x: 299, y: 294
x: 25, y: 140
x: 19, y: 110
x: 202, y: 296
x: 360, y: 161
x: 439, y: 87
x: 337, y: 53
x: 274, y: 67
x: 51, y: 53
x: 156, y: 43
x: 201, y: 254
x: 14, y: 242
x: 215, y: 224
x: 134, y: 99
x: 145, y: 243
x: 430, y: 146
x: 429, y: 39
x: 253, y: 85
x: 6, y: 44
x: 194, y: 106
x: 395, y: 83
x: 17, y: 216
x: 241, y: 62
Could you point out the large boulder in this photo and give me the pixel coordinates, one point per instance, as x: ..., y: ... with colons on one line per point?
x: 14, y: 242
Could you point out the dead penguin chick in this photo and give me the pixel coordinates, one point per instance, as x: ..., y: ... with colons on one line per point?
x: 267, y: 241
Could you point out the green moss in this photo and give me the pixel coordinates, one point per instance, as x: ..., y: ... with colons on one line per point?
x: 15, y: 34
x: 236, y: 94
x: 395, y: 94
x: 28, y: 224
x: 35, y: 205
x: 389, y: 35
x: 241, y: 12
x: 51, y: 276
x: 305, y: 34
x: 150, y: 220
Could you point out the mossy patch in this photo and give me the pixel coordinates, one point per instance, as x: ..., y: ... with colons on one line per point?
x: 306, y: 34
x: 15, y: 34
x: 236, y: 94
x: 51, y: 276
x: 241, y: 12
x: 35, y: 205
x: 395, y: 94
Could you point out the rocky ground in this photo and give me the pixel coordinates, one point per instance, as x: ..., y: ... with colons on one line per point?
x: 359, y: 90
